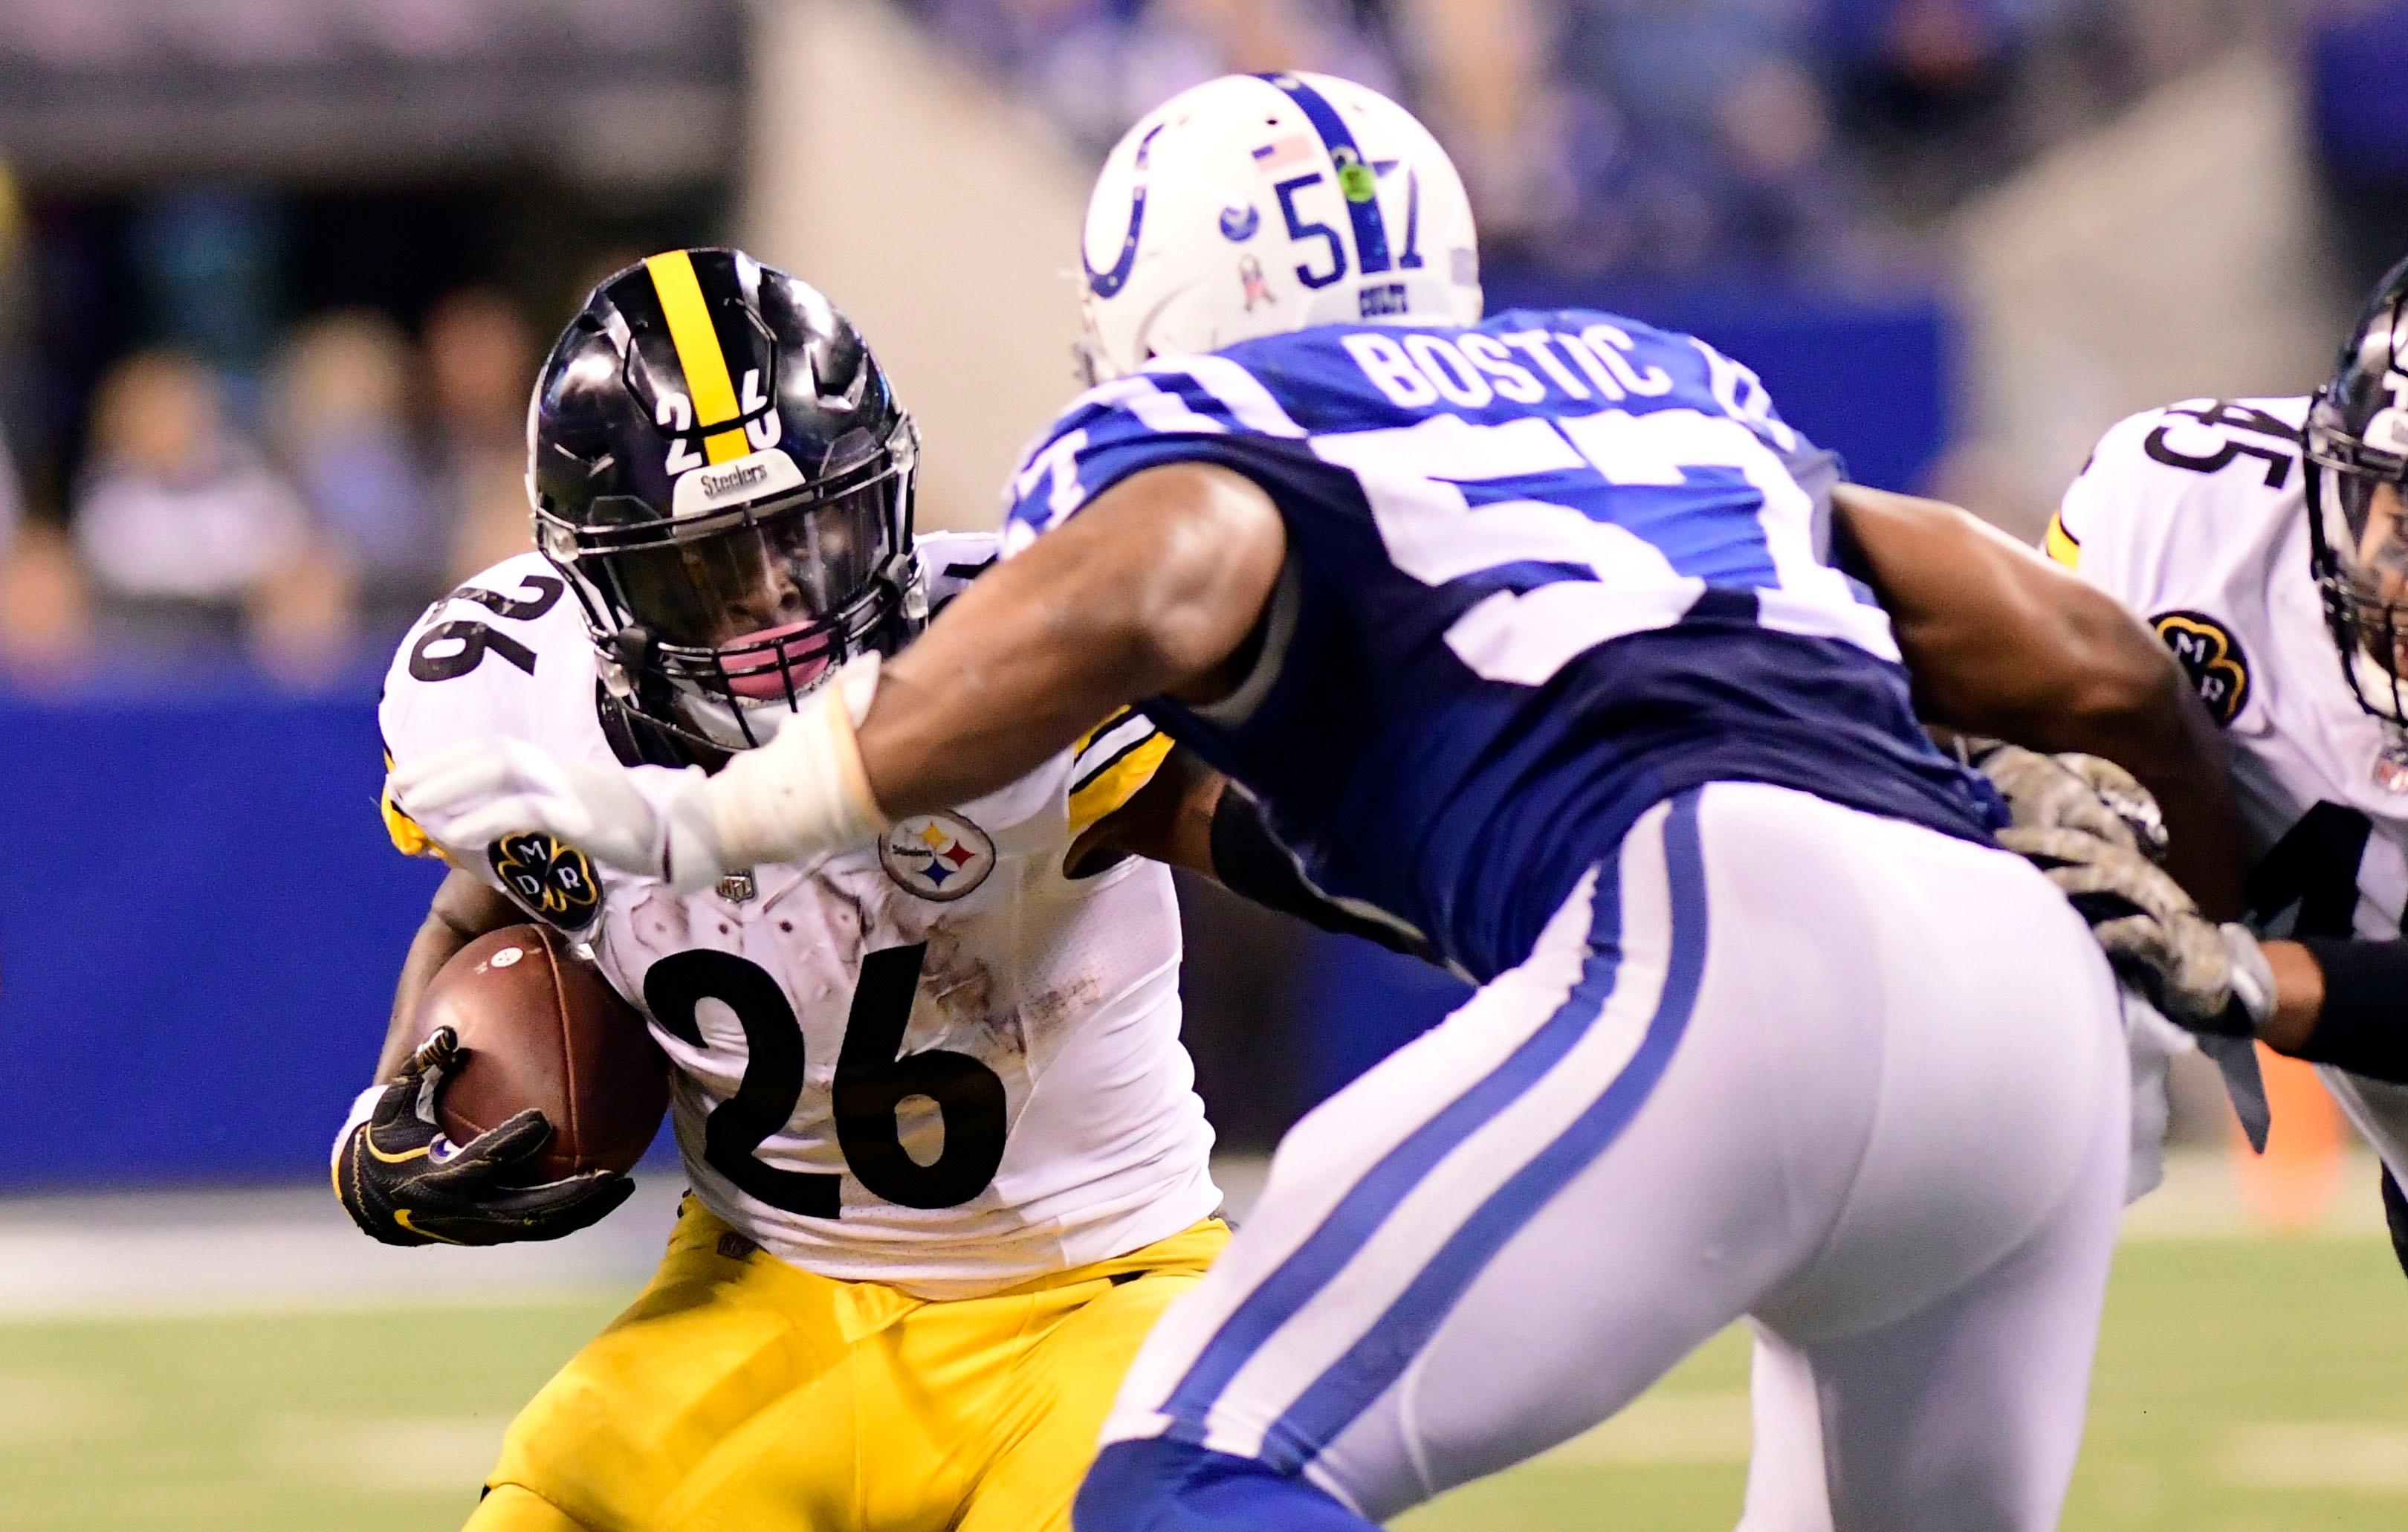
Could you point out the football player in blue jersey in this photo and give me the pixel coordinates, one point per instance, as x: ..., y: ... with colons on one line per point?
x: 1545, y: 640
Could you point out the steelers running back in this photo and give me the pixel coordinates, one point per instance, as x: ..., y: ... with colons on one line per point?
x: 946, y: 1157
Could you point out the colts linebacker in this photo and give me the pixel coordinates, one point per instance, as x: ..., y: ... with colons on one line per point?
x: 868, y: 1317
x: 2261, y: 538
x: 1532, y: 633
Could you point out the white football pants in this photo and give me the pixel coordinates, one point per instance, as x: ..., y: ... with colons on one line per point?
x: 1778, y: 1058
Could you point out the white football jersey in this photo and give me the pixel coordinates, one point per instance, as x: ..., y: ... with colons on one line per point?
x: 939, y: 1061
x: 2195, y: 518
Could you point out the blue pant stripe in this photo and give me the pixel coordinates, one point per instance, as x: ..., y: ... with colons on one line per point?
x: 1377, y: 1360
x: 1359, y: 1214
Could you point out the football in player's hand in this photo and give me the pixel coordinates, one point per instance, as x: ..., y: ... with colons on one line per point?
x: 541, y: 1028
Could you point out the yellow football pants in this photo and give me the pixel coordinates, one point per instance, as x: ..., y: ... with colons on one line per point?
x: 742, y: 1393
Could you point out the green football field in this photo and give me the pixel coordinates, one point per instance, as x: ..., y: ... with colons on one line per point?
x: 2242, y: 1385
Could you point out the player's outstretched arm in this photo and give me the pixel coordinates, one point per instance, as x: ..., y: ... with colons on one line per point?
x: 1151, y: 590
x: 1155, y: 588
x: 2000, y: 641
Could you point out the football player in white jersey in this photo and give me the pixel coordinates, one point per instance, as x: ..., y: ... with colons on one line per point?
x: 947, y: 1161
x: 2266, y: 542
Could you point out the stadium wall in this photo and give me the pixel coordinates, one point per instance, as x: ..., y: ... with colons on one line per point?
x: 203, y: 924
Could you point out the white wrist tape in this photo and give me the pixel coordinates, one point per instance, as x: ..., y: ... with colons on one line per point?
x: 363, y: 1108
x: 2253, y: 977
x: 803, y: 793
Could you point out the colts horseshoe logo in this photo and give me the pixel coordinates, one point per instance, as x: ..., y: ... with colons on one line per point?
x: 1104, y: 284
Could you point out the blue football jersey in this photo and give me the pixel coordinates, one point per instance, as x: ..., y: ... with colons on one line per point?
x: 1542, y: 575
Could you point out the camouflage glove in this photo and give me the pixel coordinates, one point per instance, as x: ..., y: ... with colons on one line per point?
x: 2071, y: 792
x: 405, y: 1184
x: 2208, y: 978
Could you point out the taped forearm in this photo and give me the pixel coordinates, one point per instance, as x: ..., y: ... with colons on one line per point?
x: 803, y: 793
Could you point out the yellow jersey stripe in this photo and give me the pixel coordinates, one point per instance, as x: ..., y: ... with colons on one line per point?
x: 2062, y: 545
x: 408, y: 839
x: 707, y: 382
x: 1108, y: 790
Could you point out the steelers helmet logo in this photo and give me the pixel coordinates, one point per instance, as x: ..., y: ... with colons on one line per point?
x: 2211, y: 656
x: 936, y: 856
x: 549, y: 877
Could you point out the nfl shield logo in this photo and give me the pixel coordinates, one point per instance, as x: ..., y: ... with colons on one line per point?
x: 2391, y: 767
x: 936, y: 856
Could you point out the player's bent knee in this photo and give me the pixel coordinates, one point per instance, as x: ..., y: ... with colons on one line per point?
x: 514, y: 1507
x: 1160, y: 1485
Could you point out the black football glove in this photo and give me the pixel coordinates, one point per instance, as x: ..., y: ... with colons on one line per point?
x: 405, y: 1184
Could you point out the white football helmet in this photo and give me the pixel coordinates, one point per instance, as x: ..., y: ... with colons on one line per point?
x: 1258, y: 204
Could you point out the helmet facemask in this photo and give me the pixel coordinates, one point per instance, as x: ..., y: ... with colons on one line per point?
x: 716, y: 626
x: 2358, y: 528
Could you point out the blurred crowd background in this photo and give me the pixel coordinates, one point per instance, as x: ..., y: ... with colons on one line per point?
x: 1665, y: 140
x: 263, y: 398
x: 275, y: 276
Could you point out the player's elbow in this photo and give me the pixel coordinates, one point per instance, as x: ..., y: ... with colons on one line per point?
x: 464, y: 907
x: 1179, y: 644
x: 2124, y: 685
x: 1202, y: 550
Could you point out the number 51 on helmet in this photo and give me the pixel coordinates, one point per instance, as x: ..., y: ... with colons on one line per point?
x: 1255, y: 204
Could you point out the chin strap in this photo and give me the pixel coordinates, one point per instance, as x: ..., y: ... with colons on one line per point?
x: 802, y: 794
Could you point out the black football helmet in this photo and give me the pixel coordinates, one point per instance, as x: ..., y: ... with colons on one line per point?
x: 2357, y: 441
x: 723, y: 473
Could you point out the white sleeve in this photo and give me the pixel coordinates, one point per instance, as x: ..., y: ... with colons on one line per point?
x: 2155, y: 517
x: 2111, y: 528
x: 507, y: 654
x: 424, y: 708
x: 950, y: 560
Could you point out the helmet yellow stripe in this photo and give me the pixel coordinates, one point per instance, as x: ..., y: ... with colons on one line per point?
x: 707, y: 382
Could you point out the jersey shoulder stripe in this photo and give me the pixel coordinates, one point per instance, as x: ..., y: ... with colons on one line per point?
x: 1111, y: 764
x: 2059, y: 544
x: 403, y: 831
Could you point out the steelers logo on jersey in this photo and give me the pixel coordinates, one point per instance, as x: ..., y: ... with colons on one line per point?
x: 2211, y: 656
x: 549, y: 877
x: 936, y: 856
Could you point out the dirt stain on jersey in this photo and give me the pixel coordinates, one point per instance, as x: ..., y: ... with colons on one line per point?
x: 1065, y: 1002
x: 960, y: 988
x: 961, y: 1004
x: 658, y: 923
x: 850, y: 902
